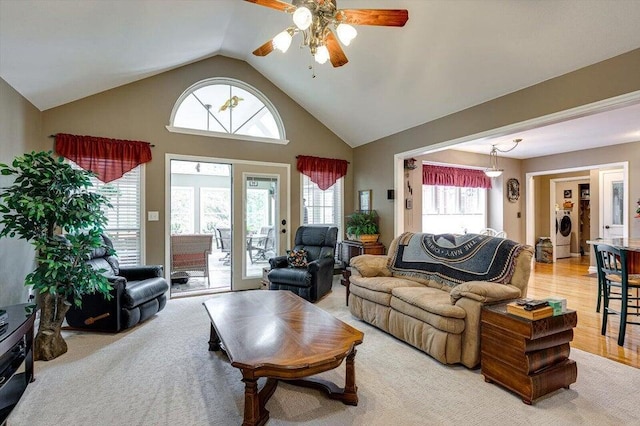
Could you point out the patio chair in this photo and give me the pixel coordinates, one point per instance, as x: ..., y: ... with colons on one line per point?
x: 224, y: 239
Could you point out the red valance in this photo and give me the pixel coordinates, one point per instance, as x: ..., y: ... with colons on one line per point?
x: 109, y: 159
x: 454, y: 176
x: 324, y: 172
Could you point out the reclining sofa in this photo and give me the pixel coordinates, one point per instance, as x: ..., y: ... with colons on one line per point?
x: 429, y: 290
x: 139, y: 292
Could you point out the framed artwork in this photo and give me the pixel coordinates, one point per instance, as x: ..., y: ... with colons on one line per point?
x: 567, y: 193
x: 364, y: 200
x: 513, y: 190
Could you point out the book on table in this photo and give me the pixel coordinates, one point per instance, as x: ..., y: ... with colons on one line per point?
x: 542, y: 312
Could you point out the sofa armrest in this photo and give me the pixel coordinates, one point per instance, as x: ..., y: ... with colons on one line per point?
x: 138, y: 273
x: 118, y: 283
x: 321, y: 264
x: 278, y: 262
x: 371, y: 265
x: 484, y: 292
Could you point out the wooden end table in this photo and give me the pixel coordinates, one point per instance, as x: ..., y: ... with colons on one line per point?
x: 529, y: 357
x: 278, y: 335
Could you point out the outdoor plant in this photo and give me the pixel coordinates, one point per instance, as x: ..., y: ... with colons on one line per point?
x: 49, y: 199
x: 362, y: 223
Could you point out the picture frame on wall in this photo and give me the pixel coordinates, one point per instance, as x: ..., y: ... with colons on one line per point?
x: 364, y: 200
x: 567, y: 193
x: 513, y: 190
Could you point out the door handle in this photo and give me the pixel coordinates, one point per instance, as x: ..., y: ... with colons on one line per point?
x: 284, y: 231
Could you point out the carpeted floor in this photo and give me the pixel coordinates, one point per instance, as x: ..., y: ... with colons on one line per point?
x: 161, y: 373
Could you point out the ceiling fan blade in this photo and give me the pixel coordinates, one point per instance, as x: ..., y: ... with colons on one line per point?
x: 336, y: 54
x: 382, y: 17
x: 265, y: 49
x: 274, y: 4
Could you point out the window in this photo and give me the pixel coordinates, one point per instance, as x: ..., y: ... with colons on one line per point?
x: 322, y: 207
x: 215, y: 211
x: 451, y: 209
x: 225, y: 107
x: 182, y: 210
x: 123, y: 219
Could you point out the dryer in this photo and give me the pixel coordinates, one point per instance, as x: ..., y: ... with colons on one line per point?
x: 563, y: 234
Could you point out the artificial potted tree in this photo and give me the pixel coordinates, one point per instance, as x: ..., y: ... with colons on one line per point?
x: 363, y: 226
x: 47, y: 199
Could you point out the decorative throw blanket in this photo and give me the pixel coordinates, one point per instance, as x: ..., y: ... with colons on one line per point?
x: 454, y: 259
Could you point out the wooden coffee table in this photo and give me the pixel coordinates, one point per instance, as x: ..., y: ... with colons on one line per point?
x: 278, y: 335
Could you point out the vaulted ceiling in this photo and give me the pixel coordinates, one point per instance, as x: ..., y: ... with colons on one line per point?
x: 451, y: 54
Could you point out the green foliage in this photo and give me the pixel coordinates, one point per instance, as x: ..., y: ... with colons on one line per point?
x: 49, y: 197
x: 363, y: 223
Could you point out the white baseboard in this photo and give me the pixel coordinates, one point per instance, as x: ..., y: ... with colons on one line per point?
x: 576, y: 255
x: 593, y: 270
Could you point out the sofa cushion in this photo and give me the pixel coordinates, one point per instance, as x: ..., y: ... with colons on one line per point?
x: 139, y: 292
x: 431, y: 306
x: 370, y: 265
x: 378, y: 289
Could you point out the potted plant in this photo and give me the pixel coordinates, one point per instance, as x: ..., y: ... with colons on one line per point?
x: 49, y: 198
x: 363, y: 226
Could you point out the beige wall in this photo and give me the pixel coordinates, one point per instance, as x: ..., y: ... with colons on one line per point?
x: 141, y: 110
x: 20, y: 124
x: 588, y: 159
x: 374, y: 161
x: 502, y: 215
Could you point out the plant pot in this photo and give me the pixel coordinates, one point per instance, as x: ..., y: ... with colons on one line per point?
x: 368, y: 238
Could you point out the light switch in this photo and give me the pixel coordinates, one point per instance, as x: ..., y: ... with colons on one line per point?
x: 153, y: 216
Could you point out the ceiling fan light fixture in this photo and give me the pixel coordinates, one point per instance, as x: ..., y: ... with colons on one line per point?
x: 302, y: 18
x: 322, y: 54
x: 282, y: 41
x: 346, y: 33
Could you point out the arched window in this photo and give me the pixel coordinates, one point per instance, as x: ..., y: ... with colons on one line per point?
x: 228, y: 108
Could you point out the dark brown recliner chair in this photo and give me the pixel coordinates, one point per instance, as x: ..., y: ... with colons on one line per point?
x: 314, y: 281
x: 138, y: 293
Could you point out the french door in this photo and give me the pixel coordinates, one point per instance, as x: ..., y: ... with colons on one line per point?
x: 612, y: 219
x: 243, y: 206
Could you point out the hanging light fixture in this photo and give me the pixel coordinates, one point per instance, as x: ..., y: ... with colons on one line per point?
x: 494, y: 170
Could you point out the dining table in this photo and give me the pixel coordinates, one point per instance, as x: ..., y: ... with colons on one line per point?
x: 631, y: 245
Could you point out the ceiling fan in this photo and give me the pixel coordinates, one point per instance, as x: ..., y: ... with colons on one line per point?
x: 314, y: 19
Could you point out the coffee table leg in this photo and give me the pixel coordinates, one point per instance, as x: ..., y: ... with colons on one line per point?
x: 214, y: 340
x: 254, y: 412
x: 350, y: 388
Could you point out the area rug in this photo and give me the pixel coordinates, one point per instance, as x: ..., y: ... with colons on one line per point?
x: 161, y: 373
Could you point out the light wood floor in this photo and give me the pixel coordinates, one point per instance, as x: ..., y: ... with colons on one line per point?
x: 568, y: 278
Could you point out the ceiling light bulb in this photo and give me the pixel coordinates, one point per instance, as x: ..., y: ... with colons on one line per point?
x: 322, y: 54
x: 346, y: 33
x: 282, y: 41
x: 302, y: 18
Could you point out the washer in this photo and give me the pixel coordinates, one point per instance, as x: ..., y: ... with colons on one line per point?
x: 563, y: 234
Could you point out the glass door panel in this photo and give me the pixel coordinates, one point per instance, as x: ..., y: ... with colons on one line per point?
x: 261, y: 216
x: 200, y: 239
x: 260, y: 220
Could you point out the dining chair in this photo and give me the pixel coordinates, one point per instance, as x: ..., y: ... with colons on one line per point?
x: 615, y: 283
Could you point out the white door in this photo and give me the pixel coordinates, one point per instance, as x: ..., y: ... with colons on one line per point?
x: 260, y: 220
x: 612, y: 218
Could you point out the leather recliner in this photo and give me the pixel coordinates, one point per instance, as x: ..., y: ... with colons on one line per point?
x: 139, y: 292
x: 314, y: 281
